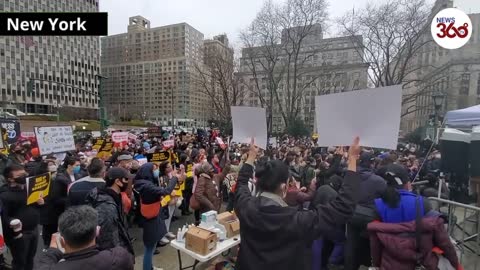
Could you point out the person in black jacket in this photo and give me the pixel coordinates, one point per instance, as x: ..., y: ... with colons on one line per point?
x: 19, y: 220
x: 150, y: 194
x: 78, y: 228
x: 275, y: 236
x: 108, y: 203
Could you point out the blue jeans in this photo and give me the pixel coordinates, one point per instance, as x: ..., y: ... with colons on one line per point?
x: 148, y: 257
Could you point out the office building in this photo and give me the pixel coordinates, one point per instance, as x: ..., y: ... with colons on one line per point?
x: 62, y: 69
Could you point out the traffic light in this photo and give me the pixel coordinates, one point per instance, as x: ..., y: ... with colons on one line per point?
x: 30, y: 87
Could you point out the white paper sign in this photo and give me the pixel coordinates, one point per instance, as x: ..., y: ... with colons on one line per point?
x: 249, y: 122
x: 372, y: 114
x: 142, y: 161
x: 120, y: 137
x: 96, y: 134
x: 54, y: 139
x: 169, y: 143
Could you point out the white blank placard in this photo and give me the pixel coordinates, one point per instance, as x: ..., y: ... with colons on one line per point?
x: 373, y: 114
x: 249, y: 122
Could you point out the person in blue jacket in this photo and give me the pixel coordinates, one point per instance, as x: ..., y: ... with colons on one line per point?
x: 153, y: 227
x: 398, y: 204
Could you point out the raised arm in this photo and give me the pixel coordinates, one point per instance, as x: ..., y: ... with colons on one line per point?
x: 242, y: 193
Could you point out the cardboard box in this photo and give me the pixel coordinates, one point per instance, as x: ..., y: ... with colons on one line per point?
x: 200, y: 240
x: 230, y: 222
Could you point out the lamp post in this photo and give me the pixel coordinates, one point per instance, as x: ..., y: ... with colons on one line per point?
x: 101, y: 105
x: 438, y: 99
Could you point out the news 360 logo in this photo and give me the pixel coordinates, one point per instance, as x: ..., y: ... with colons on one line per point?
x: 451, y: 28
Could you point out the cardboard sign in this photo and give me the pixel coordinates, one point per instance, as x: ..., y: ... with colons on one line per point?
x: 371, y: 114
x: 248, y: 123
x: 120, y: 137
x: 158, y: 157
x: 13, y: 129
x: 37, y: 187
x: 169, y: 143
x: 54, y: 139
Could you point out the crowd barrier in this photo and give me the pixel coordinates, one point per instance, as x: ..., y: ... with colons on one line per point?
x: 463, y: 228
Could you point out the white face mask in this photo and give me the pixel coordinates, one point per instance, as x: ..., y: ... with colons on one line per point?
x: 438, y: 156
x: 52, y: 168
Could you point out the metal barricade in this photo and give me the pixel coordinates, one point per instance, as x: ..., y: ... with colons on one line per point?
x: 463, y: 228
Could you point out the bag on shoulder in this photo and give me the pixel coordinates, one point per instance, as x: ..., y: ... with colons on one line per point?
x: 150, y: 211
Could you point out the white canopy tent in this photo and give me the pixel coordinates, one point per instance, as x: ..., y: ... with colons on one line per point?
x: 467, y: 117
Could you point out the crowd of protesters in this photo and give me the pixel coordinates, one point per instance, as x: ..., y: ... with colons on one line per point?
x: 300, y: 206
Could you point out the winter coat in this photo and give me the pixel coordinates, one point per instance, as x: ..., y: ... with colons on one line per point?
x: 153, y: 229
x: 393, y: 244
x: 56, y: 201
x: 78, y: 190
x: 207, y: 193
x: 276, y: 237
x: 91, y: 258
x: 372, y: 186
x: 111, y: 219
x: 14, y: 201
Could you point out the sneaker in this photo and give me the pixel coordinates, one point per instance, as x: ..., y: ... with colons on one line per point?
x: 170, y: 235
x: 164, y: 241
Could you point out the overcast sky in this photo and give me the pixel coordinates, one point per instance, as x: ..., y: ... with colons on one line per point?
x: 212, y: 17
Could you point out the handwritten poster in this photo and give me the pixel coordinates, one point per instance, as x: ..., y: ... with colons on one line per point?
x: 53, y: 140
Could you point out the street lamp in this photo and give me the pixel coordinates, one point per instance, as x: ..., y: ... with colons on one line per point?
x: 438, y: 99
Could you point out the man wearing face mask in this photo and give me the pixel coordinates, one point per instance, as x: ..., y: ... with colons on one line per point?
x: 19, y: 220
x: 78, y: 228
x: 108, y: 203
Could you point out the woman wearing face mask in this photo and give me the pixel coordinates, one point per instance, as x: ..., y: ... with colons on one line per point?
x: 274, y: 236
x: 150, y: 196
x: 208, y: 191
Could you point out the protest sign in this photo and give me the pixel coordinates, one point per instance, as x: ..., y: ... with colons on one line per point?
x: 154, y: 132
x: 98, y: 144
x: 37, y: 187
x: 132, y: 136
x: 120, y: 137
x: 169, y: 143
x: 372, y: 114
x: 158, y: 157
x: 54, y: 139
x: 27, y: 134
x: 106, y: 150
x: 142, y: 161
x: 12, y: 128
x: 248, y: 123
x: 96, y: 134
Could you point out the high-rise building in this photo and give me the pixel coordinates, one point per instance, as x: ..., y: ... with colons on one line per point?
x: 326, y: 66
x: 62, y: 69
x: 218, y: 68
x: 453, y: 73
x: 151, y: 74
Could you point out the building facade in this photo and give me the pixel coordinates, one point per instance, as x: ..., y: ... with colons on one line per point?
x: 454, y: 73
x: 62, y: 69
x: 331, y: 65
x: 151, y: 74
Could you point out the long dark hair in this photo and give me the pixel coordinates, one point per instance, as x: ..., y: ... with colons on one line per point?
x: 391, y: 196
x: 271, y: 174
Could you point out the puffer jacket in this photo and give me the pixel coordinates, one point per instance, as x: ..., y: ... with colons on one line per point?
x: 91, y: 258
x: 111, y: 219
x: 208, y: 193
x: 393, y: 244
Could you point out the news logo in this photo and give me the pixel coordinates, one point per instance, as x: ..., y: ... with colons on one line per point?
x: 451, y: 28
x: 53, y: 24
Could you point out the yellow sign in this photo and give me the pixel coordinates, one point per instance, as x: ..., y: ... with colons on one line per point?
x: 38, y: 187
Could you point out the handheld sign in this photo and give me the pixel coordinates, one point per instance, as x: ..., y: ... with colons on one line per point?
x: 248, y: 123
x: 169, y: 143
x: 371, y: 114
x: 158, y: 157
x: 54, y: 139
x: 37, y: 187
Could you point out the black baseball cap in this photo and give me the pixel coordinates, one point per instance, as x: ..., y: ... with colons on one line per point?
x: 116, y: 173
x: 395, y: 174
x: 366, y: 159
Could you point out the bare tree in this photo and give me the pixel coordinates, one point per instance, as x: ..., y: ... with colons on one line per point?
x: 276, y: 51
x: 216, y: 78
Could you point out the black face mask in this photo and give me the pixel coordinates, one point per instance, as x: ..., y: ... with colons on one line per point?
x: 22, y: 180
x: 124, y: 187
